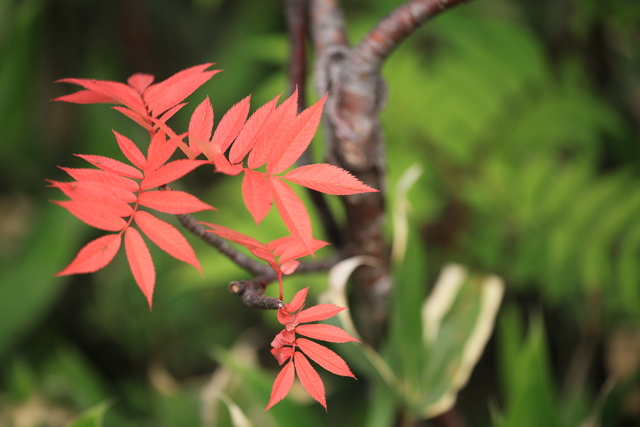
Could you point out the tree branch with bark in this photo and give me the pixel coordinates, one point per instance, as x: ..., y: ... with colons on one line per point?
x: 354, y: 141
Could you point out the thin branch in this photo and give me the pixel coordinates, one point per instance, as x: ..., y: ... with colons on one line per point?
x: 397, y: 26
x: 304, y: 267
x: 318, y: 265
x: 252, y: 294
x: 199, y: 230
x: 251, y: 291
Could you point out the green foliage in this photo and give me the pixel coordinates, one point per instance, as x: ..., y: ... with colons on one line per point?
x: 518, y: 147
x: 433, y: 343
x: 532, y: 396
x: 20, y: 270
x: 258, y: 384
x: 92, y: 417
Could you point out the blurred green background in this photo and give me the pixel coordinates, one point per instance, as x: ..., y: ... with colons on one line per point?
x: 525, y: 117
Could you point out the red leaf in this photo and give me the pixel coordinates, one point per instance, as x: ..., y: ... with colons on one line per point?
x: 323, y: 332
x: 292, y: 144
x: 167, y: 237
x: 164, y: 95
x: 210, y: 150
x: 126, y: 95
x: 136, y: 117
x: 283, y: 317
x: 231, y: 124
x: 293, y: 212
x: 94, y: 255
x: 256, y: 248
x: 319, y: 312
x: 168, y: 114
x: 250, y: 131
x: 283, y: 338
x: 94, y: 214
x: 282, y: 384
x: 309, y: 378
x: 173, y: 202
x: 223, y: 166
x: 140, y: 262
x: 130, y: 150
x: 113, y: 198
x: 160, y: 150
x: 105, y: 91
x: 140, y: 81
x: 278, y: 246
x: 86, y: 97
x: 276, y: 125
x: 282, y: 354
x: 291, y: 247
x: 298, y: 301
x: 234, y: 236
x: 328, y: 179
x: 325, y: 357
x: 256, y: 193
x: 103, y: 177
x: 170, y: 172
x: 289, y: 267
x: 112, y: 165
x: 175, y: 138
x: 201, y: 124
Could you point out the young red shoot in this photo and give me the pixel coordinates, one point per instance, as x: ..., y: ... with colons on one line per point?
x: 296, y: 351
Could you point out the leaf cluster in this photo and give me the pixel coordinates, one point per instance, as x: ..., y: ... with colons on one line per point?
x: 110, y: 197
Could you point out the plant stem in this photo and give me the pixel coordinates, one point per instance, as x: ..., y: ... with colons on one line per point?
x: 200, y: 231
x: 251, y: 291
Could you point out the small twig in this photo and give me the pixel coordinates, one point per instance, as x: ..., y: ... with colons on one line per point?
x: 200, y: 231
x: 317, y: 265
x: 374, y: 48
x: 252, y: 294
x: 251, y: 291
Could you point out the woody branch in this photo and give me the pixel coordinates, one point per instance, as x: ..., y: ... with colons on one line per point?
x: 354, y: 138
x: 376, y: 46
x: 251, y: 291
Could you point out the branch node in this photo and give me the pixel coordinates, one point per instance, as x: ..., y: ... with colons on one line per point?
x: 252, y: 294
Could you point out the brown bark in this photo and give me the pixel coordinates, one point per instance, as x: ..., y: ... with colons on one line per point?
x: 354, y: 142
x: 354, y: 138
